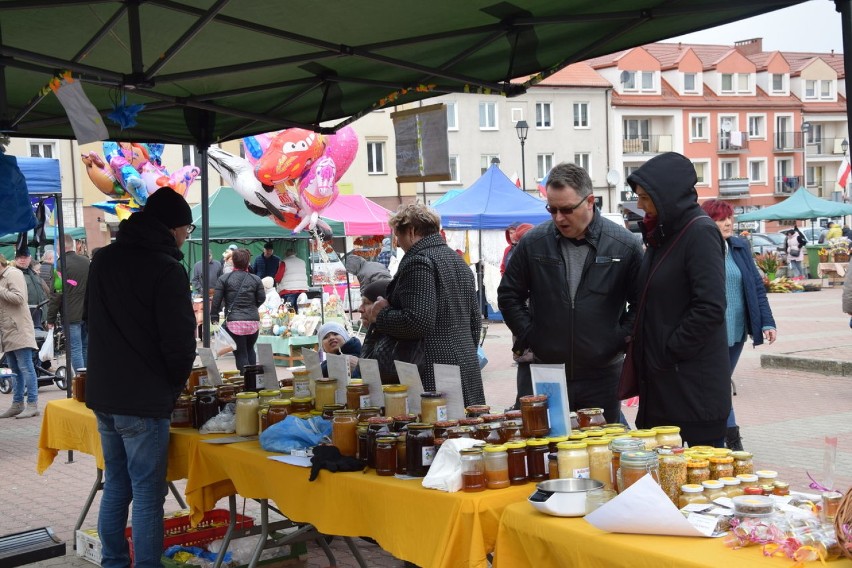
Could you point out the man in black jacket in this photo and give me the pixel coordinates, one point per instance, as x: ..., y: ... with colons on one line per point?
x: 74, y: 285
x: 141, y: 351
x: 564, y: 293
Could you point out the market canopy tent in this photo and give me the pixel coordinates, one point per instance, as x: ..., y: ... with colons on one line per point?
x: 801, y: 205
x: 447, y: 196
x: 359, y: 215
x: 492, y: 202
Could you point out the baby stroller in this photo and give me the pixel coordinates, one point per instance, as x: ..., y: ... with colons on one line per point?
x: 45, y: 375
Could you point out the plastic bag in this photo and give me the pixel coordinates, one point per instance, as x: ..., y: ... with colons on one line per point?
x: 46, y: 351
x: 222, y: 343
x: 223, y: 423
x: 445, y: 472
x: 294, y: 433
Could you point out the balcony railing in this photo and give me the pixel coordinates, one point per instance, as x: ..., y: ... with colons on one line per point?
x: 651, y: 144
x: 830, y: 147
x: 733, y: 142
x: 788, y: 141
x: 786, y: 185
x: 733, y: 187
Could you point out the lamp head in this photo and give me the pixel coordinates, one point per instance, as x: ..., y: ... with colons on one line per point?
x: 844, y: 145
x: 522, y: 128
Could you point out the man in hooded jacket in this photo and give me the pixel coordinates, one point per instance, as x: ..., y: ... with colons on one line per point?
x: 681, y: 346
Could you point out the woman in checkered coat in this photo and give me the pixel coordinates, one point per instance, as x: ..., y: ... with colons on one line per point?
x: 433, y: 297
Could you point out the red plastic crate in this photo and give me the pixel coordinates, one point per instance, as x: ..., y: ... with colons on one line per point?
x: 177, y: 530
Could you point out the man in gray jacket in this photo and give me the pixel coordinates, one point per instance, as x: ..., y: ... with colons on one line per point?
x: 565, y: 292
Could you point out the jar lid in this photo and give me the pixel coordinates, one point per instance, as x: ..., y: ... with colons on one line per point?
x: 666, y: 429
x: 479, y: 408
x: 470, y: 421
x: 493, y: 417
x: 537, y: 442
x: 590, y: 411
x: 753, y: 491
x: 280, y: 402
x: 553, y: 457
x: 643, y: 433
x: 269, y: 393
x: 722, y: 451
x: 698, y: 463
x: 404, y: 417
x: 557, y: 439
x: 729, y: 480
x: 530, y: 398
x: 301, y: 400
x: 596, y: 442
x: 515, y: 444
x: 747, y: 477
x: 494, y: 448
x: 595, y: 432
x: 435, y: 394
x: 395, y: 388
x: 300, y: 372
x: 626, y: 444
x: 472, y: 451
x: 692, y: 488
x: 344, y: 412
x: 702, y: 448
x: 286, y: 390
x: 721, y: 459
x: 446, y: 423
x: 326, y: 381
x: 571, y: 445
x: 355, y: 382
x: 641, y: 458
x: 247, y: 395
x: 578, y: 436
x: 379, y: 420
x: 742, y: 455
x: 419, y: 426
x: 781, y: 484
x: 766, y: 474
x: 386, y: 440
x: 614, y: 429
x: 315, y: 412
x: 712, y: 484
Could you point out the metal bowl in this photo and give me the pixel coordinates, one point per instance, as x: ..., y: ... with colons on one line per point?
x: 563, y: 497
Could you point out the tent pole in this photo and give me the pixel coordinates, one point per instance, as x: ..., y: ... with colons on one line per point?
x: 348, y: 283
x: 205, y: 246
x: 59, y: 246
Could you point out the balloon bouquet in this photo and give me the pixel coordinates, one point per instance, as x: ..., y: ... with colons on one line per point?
x: 290, y: 175
x: 130, y: 172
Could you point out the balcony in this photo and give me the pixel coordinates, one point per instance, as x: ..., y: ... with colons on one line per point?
x: 788, y: 142
x: 786, y: 185
x: 825, y: 147
x: 733, y: 187
x: 650, y: 144
x: 733, y: 142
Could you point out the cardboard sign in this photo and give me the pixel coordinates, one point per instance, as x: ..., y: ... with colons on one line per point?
x: 269, y: 379
x: 338, y: 368
x: 371, y: 377
x: 550, y: 380
x: 448, y: 381
x: 410, y: 377
x: 209, y: 362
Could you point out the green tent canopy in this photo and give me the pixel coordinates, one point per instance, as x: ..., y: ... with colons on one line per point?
x: 801, y: 205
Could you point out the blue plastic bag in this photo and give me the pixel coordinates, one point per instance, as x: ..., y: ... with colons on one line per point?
x: 294, y: 433
x: 483, y: 360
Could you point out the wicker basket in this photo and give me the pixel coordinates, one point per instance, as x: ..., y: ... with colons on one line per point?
x: 844, y: 517
x: 841, y: 257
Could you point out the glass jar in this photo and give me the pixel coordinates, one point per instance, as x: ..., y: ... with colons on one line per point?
x: 328, y: 410
x: 477, y: 410
x: 732, y: 486
x: 713, y: 489
x: 534, y: 412
x: 517, y: 453
x: 433, y: 407
x: 491, y: 418
x: 634, y: 465
x: 721, y: 467
x: 743, y: 462
x: 361, y: 429
x: 648, y: 437
x: 781, y: 489
x: 206, y: 405
x: 668, y: 436
x: 587, y: 417
x: 401, y: 422
x: 78, y: 386
x: 672, y: 474
x: 264, y: 396
x: 419, y: 449
x: 263, y: 419
x: 386, y: 455
x: 573, y: 459
x: 473, y: 469
x: 472, y: 422
x: 600, y: 461
x: 197, y: 378
x: 553, y: 442
x: 287, y: 392
x: 286, y: 382
x: 766, y: 476
x: 756, y: 490
x: 325, y: 392
x: 618, y: 446
x: 514, y: 415
x: 278, y: 410
x: 511, y: 430
x: 552, y: 466
x: 252, y: 378
x: 537, y: 464
x: 691, y: 493
x: 376, y: 426
x: 358, y: 395
x: 300, y: 407
x: 443, y: 426
x: 226, y: 394
x: 396, y: 400
x: 246, y: 414
x: 344, y: 432
x: 496, y: 466
x: 461, y: 432
x: 182, y: 412
x: 488, y: 433
x: 368, y: 412
x: 401, y: 465
x: 301, y: 384
x: 575, y: 420
x: 697, y: 471
x: 747, y: 480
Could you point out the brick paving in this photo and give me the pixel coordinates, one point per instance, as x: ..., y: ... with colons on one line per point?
x: 784, y: 414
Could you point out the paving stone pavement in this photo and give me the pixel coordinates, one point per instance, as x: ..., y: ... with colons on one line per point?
x: 784, y: 415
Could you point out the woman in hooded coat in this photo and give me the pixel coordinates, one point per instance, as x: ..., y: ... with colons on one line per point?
x: 680, y: 342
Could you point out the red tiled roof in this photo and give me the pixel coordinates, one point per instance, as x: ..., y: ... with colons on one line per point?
x: 575, y: 75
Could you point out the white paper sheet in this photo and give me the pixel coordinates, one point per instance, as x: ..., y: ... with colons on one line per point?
x: 269, y: 379
x: 338, y: 368
x: 209, y: 362
x: 642, y: 509
x: 410, y: 376
x: 448, y: 381
x: 550, y: 380
x: 299, y: 461
x: 370, y: 376
x: 312, y: 364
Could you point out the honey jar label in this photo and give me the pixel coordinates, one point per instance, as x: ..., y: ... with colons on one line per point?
x: 364, y: 401
x: 428, y: 455
x: 203, y: 380
x: 301, y: 389
x: 581, y: 472
x: 441, y: 413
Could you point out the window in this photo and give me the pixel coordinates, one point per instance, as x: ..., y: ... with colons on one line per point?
x: 727, y: 83
x: 689, y: 83
x: 454, y: 170
x: 702, y: 171
x: 814, y: 135
x: 736, y: 83
x: 488, y: 116
x: 544, y: 163
x: 810, y: 89
x: 819, y: 90
x: 757, y: 171
x: 743, y: 80
x: 698, y: 128
x: 42, y: 149
x: 485, y: 161
x: 729, y: 169
x: 581, y: 115
x: 825, y: 89
x: 777, y: 83
x: 642, y: 81
x: 628, y: 80
x: 757, y: 126
x: 375, y: 158
x: 647, y: 81
x: 452, y: 116
x: 583, y: 159
x: 542, y: 115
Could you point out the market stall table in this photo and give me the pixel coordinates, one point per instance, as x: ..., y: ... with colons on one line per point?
x: 289, y: 349
x: 527, y: 538
x: 427, y: 527
x: 834, y: 271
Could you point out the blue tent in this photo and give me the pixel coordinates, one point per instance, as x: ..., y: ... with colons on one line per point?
x: 492, y: 202
x: 42, y: 175
x: 447, y: 196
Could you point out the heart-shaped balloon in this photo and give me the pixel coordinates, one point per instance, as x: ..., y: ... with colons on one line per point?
x: 342, y: 148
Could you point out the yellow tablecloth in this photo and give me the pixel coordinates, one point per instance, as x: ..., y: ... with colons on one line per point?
x: 69, y: 425
x: 429, y: 528
x: 527, y: 538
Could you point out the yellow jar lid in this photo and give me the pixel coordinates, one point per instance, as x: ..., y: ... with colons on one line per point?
x: 666, y: 429
x: 721, y: 451
x: 280, y: 402
x: 355, y: 382
x: 702, y: 448
x: 702, y: 455
x: 742, y: 455
x: 246, y: 395
x: 578, y: 436
x: 622, y: 435
x: 269, y: 393
x: 515, y: 444
x: 596, y: 442
x: 327, y: 381
x: 538, y: 442
x: 698, y: 463
x: 492, y: 448
x: 595, y: 433
x: 643, y: 433
x: 316, y: 413
x: 301, y: 400
x: 395, y: 388
x: 721, y: 459
x: 615, y: 429
x: 571, y: 445
x: 557, y: 439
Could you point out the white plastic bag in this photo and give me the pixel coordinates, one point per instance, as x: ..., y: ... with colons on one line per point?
x: 46, y: 351
x: 445, y: 472
x: 222, y: 343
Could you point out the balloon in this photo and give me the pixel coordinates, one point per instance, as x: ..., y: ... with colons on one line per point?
x: 101, y: 175
x: 239, y: 174
x: 317, y: 191
x: 288, y: 156
x: 256, y: 145
x: 341, y: 148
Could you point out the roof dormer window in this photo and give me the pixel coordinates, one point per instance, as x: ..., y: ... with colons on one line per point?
x: 736, y: 83
x: 637, y: 81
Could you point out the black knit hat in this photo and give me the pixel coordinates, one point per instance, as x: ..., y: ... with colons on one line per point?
x: 168, y: 207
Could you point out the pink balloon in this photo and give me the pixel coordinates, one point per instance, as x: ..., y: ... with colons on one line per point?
x: 341, y: 148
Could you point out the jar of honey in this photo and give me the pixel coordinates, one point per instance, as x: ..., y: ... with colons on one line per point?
x: 535, y: 420
x: 516, y: 450
x: 264, y: 396
x: 328, y: 410
x: 401, y: 461
x: 301, y: 384
x: 367, y: 412
x: 287, y: 392
x: 386, y: 455
x: 401, y: 422
x: 300, y: 407
x: 246, y: 414
x: 442, y: 426
x: 278, y: 410
x: 713, y: 489
x: 197, y: 377
x: 226, y: 395
x: 514, y: 415
x: 618, y: 446
x: 634, y: 466
x: 493, y: 418
x: 573, y: 458
x: 206, y: 405
x: 433, y: 407
x: 477, y: 410
x: 419, y: 449
x: 344, y: 432
x: 668, y: 436
x: 537, y: 463
x: 376, y: 426
x: 691, y: 493
x: 496, y: 466
x: 357, y: 395
x: 732, y: 487
x: 78, y: 385
x: 182, y: 412
x: 600, y: 461
x: 396, y: 399
x: 363, y: 445
x: 473, y: 469
x: 552, y: 466
x: 648, y: 437
x: 512, y: 430
x: 325, y: 393
x: 587, y: 417
x: 721, y: 467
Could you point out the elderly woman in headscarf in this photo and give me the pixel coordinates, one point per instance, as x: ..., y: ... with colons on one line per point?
x: 370, y: 294
x: 334, y: 339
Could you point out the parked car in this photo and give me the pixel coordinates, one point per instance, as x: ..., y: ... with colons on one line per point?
x: 769, y: 242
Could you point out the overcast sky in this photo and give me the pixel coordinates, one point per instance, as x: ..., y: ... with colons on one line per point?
x: 810, y: 26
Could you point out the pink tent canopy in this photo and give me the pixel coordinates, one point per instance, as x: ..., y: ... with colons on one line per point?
x: 359, y: 215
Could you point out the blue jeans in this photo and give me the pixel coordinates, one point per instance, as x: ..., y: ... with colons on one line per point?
x: 796, y: 269
x: 21, y: 363
x: 135, y: 452
x: 78, y: 342
x: 734, y: 352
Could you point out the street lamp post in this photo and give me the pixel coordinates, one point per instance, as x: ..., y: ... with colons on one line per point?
x: 806, y: 127
x: 844, y: 147
x: 522, y: 128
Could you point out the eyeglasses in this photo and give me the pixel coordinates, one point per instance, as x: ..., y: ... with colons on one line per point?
x: 565, y: 210
x: 190, y: 228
